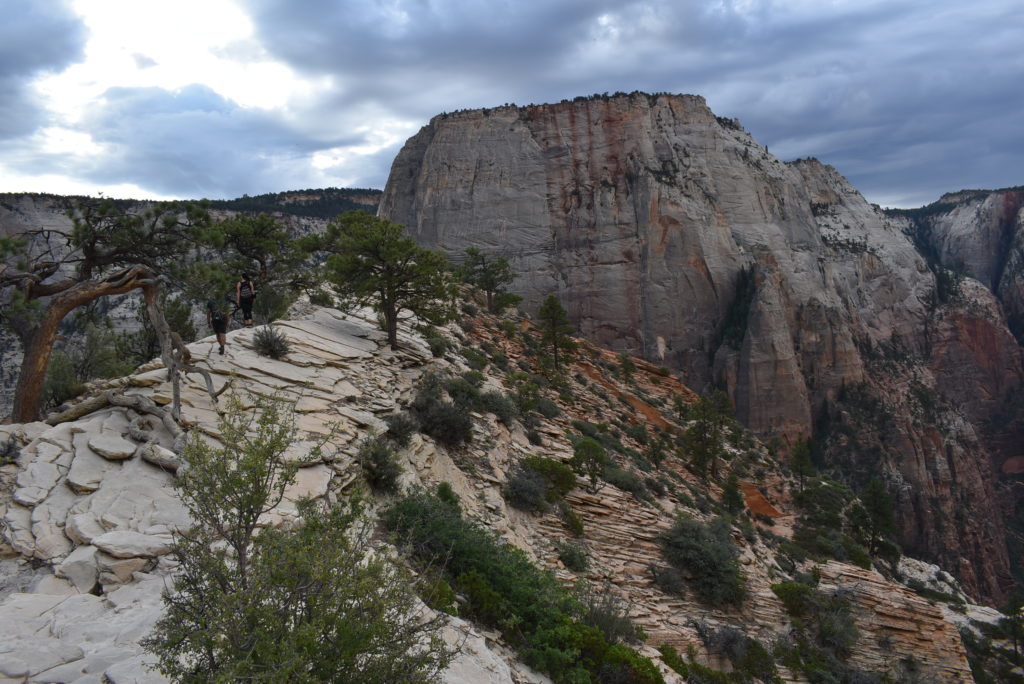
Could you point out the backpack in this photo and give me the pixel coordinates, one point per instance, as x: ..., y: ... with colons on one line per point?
x: 246, y: 289
x: 216, y: 312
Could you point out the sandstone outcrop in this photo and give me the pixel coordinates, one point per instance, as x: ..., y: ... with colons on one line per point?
x: 669, y: 233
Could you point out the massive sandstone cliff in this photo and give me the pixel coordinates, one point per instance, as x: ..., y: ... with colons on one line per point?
x: 670, y: 233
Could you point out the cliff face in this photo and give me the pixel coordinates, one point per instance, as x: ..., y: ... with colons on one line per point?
x: 670, y: 233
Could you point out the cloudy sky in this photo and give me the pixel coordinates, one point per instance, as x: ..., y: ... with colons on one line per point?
x: 219, y: 98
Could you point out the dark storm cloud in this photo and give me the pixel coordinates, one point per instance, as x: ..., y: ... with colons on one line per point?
x: 195, y: 143
x: 34, y: 37
x: 908, y: 99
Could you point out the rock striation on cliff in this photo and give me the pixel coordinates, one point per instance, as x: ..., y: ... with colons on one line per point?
x: 669, y: 233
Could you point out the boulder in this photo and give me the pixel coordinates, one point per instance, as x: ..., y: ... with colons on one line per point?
x: 112, y: 447
x: 127, y: 544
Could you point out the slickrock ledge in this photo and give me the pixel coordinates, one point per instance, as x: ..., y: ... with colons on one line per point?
x: 99, y: 510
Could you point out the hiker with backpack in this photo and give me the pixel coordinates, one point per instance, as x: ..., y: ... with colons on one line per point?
x: 245, y: 293
x: 217, y: 319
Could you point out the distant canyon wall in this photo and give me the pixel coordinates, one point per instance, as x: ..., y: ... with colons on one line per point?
x: 669, y: 233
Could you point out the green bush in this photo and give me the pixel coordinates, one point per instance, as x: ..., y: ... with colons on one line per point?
x: 446, y: 494
x: 62, y: 383
x: 637, y: 432
x: 376, y: 456
x: 271, y: 304
x: 669, y: 579
x: 586, y: 429
x: 670, y: 656
x: 560, y: 477
x: 310, y: 604
x: 401, y: 427
x: 463, y: 391
x: 476, y: 359
x: 269, y: 341
x: 572, y: 521
x: 500, y: 405
x: 321, y: 298
x: 589, y: 459
x: 438, y: 346
x: 707, y: 552
x: 8, y: 450
x: 627, y: 482
x: 527, y: 490
x: 537, y: 482
x: 505, y: 590
x: 574, y: 556
x: 446, y: 421
x: 548, y: 408
x: 601, y: 608
x: 435, y: 591
x: 449, y: 424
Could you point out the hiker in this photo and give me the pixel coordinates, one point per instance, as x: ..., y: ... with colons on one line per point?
x: 245, y: 292
x: 217, y: 318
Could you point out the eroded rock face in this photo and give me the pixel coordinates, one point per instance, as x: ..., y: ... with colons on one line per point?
x: 669, y: 233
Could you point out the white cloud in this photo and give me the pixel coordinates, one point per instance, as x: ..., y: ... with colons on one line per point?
x: 213, y: 97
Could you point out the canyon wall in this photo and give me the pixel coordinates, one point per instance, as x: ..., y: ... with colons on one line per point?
x: 669, y: 233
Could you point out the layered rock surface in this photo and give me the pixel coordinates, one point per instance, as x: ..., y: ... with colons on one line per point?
x: 96, y: 525
x: 670, y: 233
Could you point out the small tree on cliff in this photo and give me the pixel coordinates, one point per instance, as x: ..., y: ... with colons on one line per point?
x: 491, y: 275
x: 872, y: 519
x: 373, y: 262
x: 800, y: 462
x: 705, y: 437
x: 112, y: 248
x: 310, y: 604
x: 555, y: 330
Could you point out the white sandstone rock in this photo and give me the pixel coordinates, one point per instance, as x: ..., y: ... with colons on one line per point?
x: 80, y: 568
x: 112, y: 447
x: 127, y: 544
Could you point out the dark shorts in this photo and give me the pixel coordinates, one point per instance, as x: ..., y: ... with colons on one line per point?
x: 246, y: 303
x: 220, y: 327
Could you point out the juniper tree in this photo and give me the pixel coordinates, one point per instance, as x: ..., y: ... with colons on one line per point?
x: 313, y: 603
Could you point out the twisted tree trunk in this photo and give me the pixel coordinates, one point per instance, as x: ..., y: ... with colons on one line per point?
x: 38, y: 341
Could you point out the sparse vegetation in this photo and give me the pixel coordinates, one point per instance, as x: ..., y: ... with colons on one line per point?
x: 505, y: 590
x: 708, y: 553
x: 281, y: 605
x: 269, y: 341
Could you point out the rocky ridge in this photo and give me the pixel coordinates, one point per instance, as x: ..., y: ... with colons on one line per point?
x: 89, y: 520
x: 669, y: 233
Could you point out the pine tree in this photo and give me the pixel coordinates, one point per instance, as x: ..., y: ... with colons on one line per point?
x: 373, y: 262
x: 800, y: 462
x: 732, y: 497
x: 555, y: 329
x: 491, y: 275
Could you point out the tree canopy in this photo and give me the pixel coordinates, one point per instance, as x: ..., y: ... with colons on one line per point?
x: 491, y: 275
x: 555, y: 330
x: 111, y: 248
x: 373, y: 262
x: 308, y: 604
